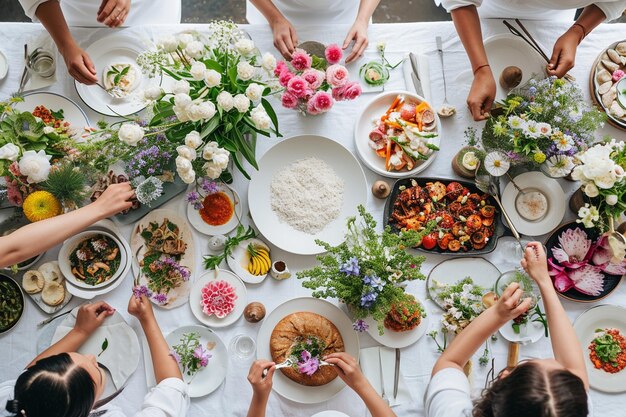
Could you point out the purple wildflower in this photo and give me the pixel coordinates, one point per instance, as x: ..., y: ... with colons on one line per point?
x: 160, y: 298
x: 194, y: 198
x: 373, y: 281
x: 368, y: 299
x: 351, y: 267
x: 209, y: 187
x: 360, y: 326
x: 141, y: 290
x: 308, y: 365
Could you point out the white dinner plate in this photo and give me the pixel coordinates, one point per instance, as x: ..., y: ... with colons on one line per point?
x: 506, y: 50
x: 530, y: 332
x: 203, y: 227
x: 397, y: 340
x: 118, y: 48
x: 364, y: 125
x: 556, y: 203
x: 330, y: 413
x: 195, y: 298
x: 601, y: 317
x: 284, y: 386
x: 239, y: 259
x: 482, y: 272
x: 73, y: 114
x: 282, y: 155
x: 211, y: 377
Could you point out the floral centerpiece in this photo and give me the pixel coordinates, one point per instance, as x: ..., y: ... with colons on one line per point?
x: 366, y: 271
x: 190, y: 355
x: 545, y: 124
x: 312, y: 84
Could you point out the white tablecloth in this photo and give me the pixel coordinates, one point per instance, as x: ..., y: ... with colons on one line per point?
x: 231, y: 399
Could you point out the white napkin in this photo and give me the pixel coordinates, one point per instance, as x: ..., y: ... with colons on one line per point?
x: 122, y: 354
x: 371, y: 360
x: 423, y: 72
x: 36, y: 82
x: 395, y: 75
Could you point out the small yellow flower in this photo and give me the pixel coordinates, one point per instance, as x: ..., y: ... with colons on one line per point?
x: 41, y: 205
x: 539, y: 157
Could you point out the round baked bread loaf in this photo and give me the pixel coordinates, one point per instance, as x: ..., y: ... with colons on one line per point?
x: 299, y: 326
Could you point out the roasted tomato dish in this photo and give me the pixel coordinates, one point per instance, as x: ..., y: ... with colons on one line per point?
x: 464, y: 219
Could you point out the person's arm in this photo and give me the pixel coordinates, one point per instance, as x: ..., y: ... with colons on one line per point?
x: 79, y: 65
x: 88, y: 319
x: 261, y: 386
x: 567, y: 349
x: 348, y: 370
x: 35, y: 238
x: 483, y: 90
x: 164, y: 364
x: 466, y: 343
x: 564, y: 51
x: 358, y: 31
x: 285, y: 37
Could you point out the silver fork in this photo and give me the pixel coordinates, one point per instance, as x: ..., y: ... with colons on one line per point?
x: 114, y: 91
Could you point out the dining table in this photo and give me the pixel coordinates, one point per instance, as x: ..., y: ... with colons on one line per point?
x: 19, y: 346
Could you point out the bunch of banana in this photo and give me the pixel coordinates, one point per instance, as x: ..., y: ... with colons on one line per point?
x: 260, y: 262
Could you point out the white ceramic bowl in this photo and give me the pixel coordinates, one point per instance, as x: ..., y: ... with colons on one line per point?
x: 72, y: 243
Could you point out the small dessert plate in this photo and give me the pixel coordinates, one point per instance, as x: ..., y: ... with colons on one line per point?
x: 195, y: 298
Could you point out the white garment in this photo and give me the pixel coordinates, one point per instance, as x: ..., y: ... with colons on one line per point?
x: 448, y: 395
x: 84, y: 12
x: 168, y: 399
x: 536, y: 9
x: 309, y: 12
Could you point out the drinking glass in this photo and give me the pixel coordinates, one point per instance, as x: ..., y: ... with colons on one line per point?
x: 242, y: 347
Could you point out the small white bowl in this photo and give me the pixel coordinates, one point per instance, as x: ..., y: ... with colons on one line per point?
x: 70, y: 244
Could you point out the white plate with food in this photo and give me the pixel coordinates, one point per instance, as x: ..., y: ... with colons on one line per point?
x: 220, y: 212
x: 397, y: 339
x: 211, y: 377
x: 594, y: 323
x: 507, y: 50
x: 541, y: 207
x: 251, y: 261
x: 606, y: 85
x: 287, y: 387
x: 397, y: 134
x: 304, y: 190
x: 449, y: 272
x: 115, y: 58
x: 58, y: 104
x: 164, y: 240
x: 218, y: 298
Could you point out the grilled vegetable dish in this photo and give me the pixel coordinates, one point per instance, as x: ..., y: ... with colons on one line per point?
x: 95, y: 260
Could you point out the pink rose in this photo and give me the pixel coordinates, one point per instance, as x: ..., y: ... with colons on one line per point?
x: 618, y: 75
x: 280, y: 68
x: 284, y: 77
x: 352, y: 90
x: 339, y: 93
x: 310, y: 107
x: 289, y: 100
x: 333, y: 53
x: 314, y: 77
x: 337, y: 75
x: 300, y: 60
x: 298, y: 86
x: 322, y: 101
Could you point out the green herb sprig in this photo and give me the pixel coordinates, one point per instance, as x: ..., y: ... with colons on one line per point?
x: 242, y: 234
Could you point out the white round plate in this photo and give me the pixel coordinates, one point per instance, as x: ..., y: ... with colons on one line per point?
x: 556, y: 203
x: 210, y: 378
x: 71, y: 112
x: 397, y: 340
x: 482, y: 272
x: 601, y: 317
x: 508, y: 50
x: 284, y: 386
x: 195, y: 298
x: 4, y: 66
x: 238, y: 261
x: 529, y: 333
x: 364, y: 125
x: 118, y: 48
x: 330, y: 413
x: 279, y: 157
x: 203, y: 227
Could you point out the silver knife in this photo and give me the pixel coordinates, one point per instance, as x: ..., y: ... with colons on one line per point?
x: 396, y: 375
x: 415, y: 75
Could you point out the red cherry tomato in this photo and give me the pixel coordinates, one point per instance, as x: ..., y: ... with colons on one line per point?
x: 429, y: 241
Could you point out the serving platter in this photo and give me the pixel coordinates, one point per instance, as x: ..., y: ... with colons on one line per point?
x: 286, y: 387
x: 195, y: 298
x: 594, y: 85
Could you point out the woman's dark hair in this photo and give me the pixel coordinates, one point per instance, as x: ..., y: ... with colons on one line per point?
x: 53, y: 387
x: 530, y: 390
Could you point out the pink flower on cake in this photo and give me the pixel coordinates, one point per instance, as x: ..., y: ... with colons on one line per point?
x: 314, y: 77
x: 218, y: 297
x: 333, y: 53
x: 289, y: 101
x: 300, y: 60
x: 322, y: 101
x: 284, y: 77
x: 337, y: 75
x: 298, y: 86
x: 280, y: 68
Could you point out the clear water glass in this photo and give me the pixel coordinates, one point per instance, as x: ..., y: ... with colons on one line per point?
x: 242, y: 347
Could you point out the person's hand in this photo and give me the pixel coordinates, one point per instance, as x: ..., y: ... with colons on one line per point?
x: 115, y: 199
x: 285, y: 37
x: 358, y: 34
x: 348, y: 370
x: 140, y: 307
x: 482, y: 94
x: 113, y: 13
x: 564, y: 53
x: 534, y: 262
x: 508, y: 305
x: 261, y: 385
x: 91, y: 316
x: 78, y: 63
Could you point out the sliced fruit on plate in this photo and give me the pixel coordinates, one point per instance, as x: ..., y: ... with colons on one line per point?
x: 259, y: 262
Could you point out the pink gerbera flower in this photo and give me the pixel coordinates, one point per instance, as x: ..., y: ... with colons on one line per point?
x: 218, y: 297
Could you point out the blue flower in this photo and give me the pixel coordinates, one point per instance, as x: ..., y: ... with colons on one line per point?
x: 360, y: 326
x: 532, y: 90
x: 368, y: 299
x: 374, y: 282
x: 351, y: 267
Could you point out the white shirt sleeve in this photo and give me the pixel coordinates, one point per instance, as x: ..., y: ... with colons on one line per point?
x: 612, y: 9
x: 168, y: 399
x: 30, y: 7
x: 450, y: 5
x: 448, y: 395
